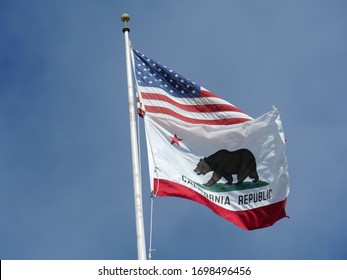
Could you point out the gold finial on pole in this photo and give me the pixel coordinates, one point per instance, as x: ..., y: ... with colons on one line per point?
x: 125, y: 18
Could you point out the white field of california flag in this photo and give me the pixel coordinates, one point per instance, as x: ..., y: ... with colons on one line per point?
x: 202, y: 148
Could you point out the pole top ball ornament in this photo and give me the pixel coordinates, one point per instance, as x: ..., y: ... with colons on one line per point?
x: 125, y: 18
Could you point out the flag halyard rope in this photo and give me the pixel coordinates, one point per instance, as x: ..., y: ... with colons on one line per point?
x: 157, y: 169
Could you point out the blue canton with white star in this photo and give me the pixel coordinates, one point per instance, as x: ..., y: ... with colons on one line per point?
x: 152, y: 74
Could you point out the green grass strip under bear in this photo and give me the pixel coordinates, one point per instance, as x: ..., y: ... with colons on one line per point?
x: 219, y: 187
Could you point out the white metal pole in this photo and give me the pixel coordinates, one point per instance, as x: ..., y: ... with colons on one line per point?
x: 140, y: 232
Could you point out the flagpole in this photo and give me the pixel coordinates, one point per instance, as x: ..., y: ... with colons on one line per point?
x: 140, y: 232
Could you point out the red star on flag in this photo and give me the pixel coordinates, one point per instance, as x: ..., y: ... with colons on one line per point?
x: 175, y: 140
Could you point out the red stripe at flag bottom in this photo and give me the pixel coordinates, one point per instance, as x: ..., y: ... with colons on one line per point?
x: 251, y: 219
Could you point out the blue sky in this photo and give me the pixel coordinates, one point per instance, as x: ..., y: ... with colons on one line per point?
x: 65, y: 164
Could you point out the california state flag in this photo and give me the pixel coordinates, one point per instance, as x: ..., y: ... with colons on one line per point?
x: 203, y: 148
x: 175, y: 150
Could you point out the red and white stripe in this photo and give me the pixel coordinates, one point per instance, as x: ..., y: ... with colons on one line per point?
x: 207, y: 109
x: 248, y: 219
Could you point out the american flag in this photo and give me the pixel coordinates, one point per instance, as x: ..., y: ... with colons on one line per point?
x: 162, y: 91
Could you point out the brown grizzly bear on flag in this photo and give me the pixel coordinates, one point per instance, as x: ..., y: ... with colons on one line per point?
x: 225, y: 163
